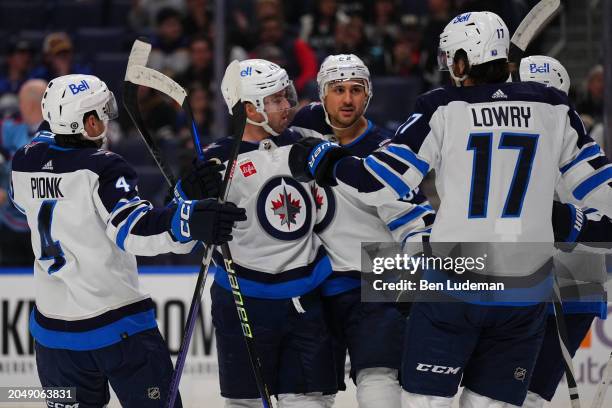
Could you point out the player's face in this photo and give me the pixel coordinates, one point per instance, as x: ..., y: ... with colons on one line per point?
x: 280, y: 108
x: 345, y: 102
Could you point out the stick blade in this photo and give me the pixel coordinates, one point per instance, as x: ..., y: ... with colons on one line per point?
x: 139, y: 54
x: 534, y: 22
x: 230, y: 85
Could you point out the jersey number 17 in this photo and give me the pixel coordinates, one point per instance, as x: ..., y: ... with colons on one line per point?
x: 481, y: 144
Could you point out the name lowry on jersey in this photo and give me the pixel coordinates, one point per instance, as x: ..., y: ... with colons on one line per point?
x: 46, y: 187
x: 501, y: 116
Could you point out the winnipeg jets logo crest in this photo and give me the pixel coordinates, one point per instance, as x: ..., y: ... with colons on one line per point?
x: 325, y: 203
x: 284, y: 208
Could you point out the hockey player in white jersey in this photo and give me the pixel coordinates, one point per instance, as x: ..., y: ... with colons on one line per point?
x: 579, y: 314
x: 362, y: 328
x: 280, y: 263
x: 497, y: 149
x: 91, y: 322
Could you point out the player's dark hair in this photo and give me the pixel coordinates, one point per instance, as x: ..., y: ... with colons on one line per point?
x: 488, y: 73
x: 91, y: 112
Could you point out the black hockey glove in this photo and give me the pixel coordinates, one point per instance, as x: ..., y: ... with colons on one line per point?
x: 568, y: 221
x: 205, y: 220
x: 313, y: 158
x: 203, y: 181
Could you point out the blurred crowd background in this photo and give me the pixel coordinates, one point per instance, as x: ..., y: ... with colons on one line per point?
x: 397, y: 39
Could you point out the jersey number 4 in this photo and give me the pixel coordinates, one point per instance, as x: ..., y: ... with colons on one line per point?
x: 50, y: 249
x: 481, y: 144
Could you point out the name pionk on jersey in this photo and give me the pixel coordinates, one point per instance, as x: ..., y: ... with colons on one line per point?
x: 46, y: 187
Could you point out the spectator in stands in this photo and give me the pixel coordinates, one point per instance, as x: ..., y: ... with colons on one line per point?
x: 301, y: 62
x: 200, y: 70
x: 383, y: 26
x: 318, y: 27
x: 15, y: 245
x: 350, y: 39
x: 199, y: 100
x: 18, y: 66
x: 406, y: 59
x: 170, y: 54
x: 199, y: 18
x: 58, y: 58
x: 143, y: 13
x: 440, y: 13
x: 591, y: 105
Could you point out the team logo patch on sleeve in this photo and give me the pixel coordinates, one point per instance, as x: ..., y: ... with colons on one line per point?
x: 284, y: 208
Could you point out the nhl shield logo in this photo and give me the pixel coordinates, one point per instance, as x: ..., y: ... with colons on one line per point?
x: 520, y: 373
x: 284, y: 208
x: 153, y: 393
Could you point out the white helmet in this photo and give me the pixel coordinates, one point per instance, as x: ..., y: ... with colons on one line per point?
x: 258, y: 79
x: 342, y: 67
x: 69, y: 97
x: 545, y: 70
x: 482, y: 35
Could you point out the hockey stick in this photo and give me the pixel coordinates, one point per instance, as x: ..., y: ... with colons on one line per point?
x: 563, y: 344
x: 533, y: 23
x: 138, y: 74
x: 602, y: 388
x: 239, y: 122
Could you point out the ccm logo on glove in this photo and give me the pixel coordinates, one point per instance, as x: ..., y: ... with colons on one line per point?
x: 185, y: 214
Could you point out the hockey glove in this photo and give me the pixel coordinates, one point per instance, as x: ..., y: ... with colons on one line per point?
x: 205, y: 220
x: 204, y: 181
x: 313, y: 158
x: 568, y: 222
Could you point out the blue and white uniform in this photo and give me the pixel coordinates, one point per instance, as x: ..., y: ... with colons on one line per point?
x: 87, y: 224
x: 497, y: 150
x: 343, y: 223
x: 280, y: 265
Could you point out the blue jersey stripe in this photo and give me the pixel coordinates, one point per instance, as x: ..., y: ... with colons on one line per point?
x: 396, y: 183
x: 283, y: 290
x: 93, y: 339
x: 592, y: 183
x: 410, y: 157
x: 583, y: 155
x: 335, y: 286
x: 125, y: 229
x: 409, y: 216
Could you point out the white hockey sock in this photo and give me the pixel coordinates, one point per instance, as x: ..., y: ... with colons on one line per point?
x: 243, y: 403
x: 378, y: 387
x: 533, y: 400
x: 310, y: 400
x: 470, y: 399
x: 410, y: 400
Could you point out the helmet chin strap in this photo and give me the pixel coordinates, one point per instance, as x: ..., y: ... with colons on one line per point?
x: 264, y: 124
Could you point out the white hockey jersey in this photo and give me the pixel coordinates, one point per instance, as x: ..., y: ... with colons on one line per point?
x: 87, y: 224
x: 275, y: 253
x: 497, y: 150
x: 343, y: 222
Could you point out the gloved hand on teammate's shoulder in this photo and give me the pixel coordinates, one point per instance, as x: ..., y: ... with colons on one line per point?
x: 203, y: 181
x: 205, y: 220
x: 313, y: 158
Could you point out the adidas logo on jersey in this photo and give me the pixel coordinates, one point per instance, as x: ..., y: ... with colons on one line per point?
x: 48, y: 165
x: 499, y: 95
